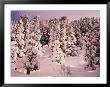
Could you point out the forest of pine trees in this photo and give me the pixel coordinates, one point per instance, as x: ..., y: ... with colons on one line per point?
x: 65, y: 38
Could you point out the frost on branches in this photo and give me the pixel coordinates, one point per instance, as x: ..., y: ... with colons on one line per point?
x: 63, y: 37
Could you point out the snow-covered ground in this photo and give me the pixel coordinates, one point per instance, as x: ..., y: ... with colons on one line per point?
x: 53, y: 69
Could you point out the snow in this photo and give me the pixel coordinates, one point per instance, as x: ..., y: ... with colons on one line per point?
x: 32, y: 48
x: 53, y: 69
